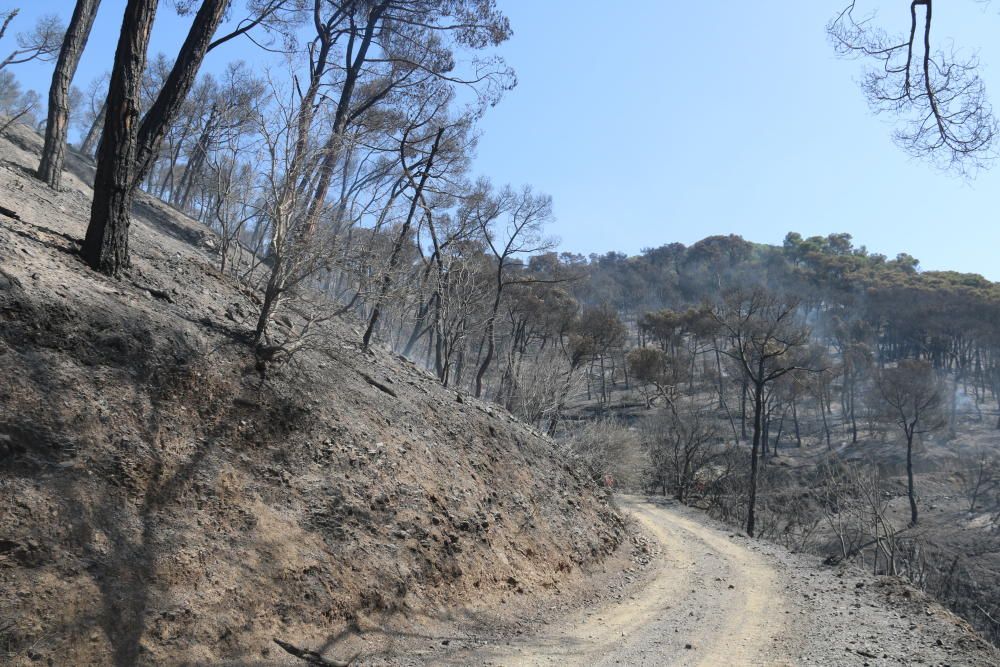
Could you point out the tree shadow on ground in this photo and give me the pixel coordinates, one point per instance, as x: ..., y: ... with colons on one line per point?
x: 111, y: 532
x: 150, y: 211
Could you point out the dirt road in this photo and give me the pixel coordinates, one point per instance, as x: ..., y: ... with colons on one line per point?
x: 712, y: 597
x: 707, y: 601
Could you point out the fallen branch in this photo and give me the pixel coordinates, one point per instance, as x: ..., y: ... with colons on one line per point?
x: 10, y: 213
x: 277, y: 353
x: 15, y: 118
x: 156, y: 292
x: 378, y: 385
x: 312, y: 657
x: 987, y: 615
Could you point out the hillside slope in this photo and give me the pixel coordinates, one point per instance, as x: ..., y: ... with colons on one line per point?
x: 160, y: 504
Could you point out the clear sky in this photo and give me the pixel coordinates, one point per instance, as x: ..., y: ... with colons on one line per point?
x: 651, y: 121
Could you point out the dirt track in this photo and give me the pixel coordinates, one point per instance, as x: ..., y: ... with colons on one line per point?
x: 716, y: 598
x: 705, y: 592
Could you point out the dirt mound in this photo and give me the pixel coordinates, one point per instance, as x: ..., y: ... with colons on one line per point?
x: 161, y: 504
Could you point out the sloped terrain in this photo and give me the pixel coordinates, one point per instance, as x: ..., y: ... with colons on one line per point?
x: 162, y: 503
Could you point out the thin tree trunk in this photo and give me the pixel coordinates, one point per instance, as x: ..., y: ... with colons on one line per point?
x: 439, y: 345
x: 193, y: 168
x: 54, y: 151
x: 182, y: 76
x: 90, y: 141
x: 167, y: 182
x: 795, y: 422
x: 561, y: 401
x: 604, y: 385
x: 419, y: 330
x: 271, y: 295
x: 459, y: 368
x: 765, y: 440
x: 397, y: 249
x: 332, y: 148
x: 781, y: 429
x: 490, y: 340
x: 826, y: 425
x: 909, y: 479
x: 743, y: 410
x: 758, y: 409
x: 854, y: 414
x: 718, y: 370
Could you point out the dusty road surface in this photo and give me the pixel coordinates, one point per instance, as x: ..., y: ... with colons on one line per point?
x: 706, y: 601
x: 712, y: 597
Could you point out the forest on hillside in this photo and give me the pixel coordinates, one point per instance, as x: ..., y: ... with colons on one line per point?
x: 814, y: 393
x: 355, y: 184
x: 811, y: 392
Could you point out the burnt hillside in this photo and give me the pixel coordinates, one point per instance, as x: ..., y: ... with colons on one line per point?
x: 162, y: 503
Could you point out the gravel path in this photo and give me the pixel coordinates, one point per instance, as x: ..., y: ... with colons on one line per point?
x: 711, y: 597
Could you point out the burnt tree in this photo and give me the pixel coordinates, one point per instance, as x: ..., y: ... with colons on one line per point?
x: 105, y: 247
x: 912, y: 398
x: 763, y: 339
x: 175, y: 89
x: 54, y: 151
x: 403, y: 232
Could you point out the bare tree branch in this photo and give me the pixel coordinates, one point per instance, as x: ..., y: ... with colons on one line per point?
x: 940, y: 101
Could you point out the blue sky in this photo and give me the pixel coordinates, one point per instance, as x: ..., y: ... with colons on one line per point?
x: 651, y: 122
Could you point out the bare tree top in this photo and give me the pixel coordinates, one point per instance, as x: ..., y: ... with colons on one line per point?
x: 937, y: 95
x: 41, y: 43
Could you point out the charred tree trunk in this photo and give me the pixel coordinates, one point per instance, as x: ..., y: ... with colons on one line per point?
x: 271, y: 295
x: 826, y: 425
x: 54, y: 151
x: 758, y: 410
x: 90, y: 141
x: 795, y: 422
x: 743, y: 409
x: 604, y: 383
x: 765, y: 439
x: 489, y: 338
x: 854, y: 413
x: 563, y: 395
x: 781, y: 430
x: 175, y: 88
x: 910, y: 492
x: 331, y: 152
x: 718, y: 369
x: 440, y: 367
x: 105, y: 247
x: 397, y: 249
x: 459, y: 369
x: 193, y: 169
